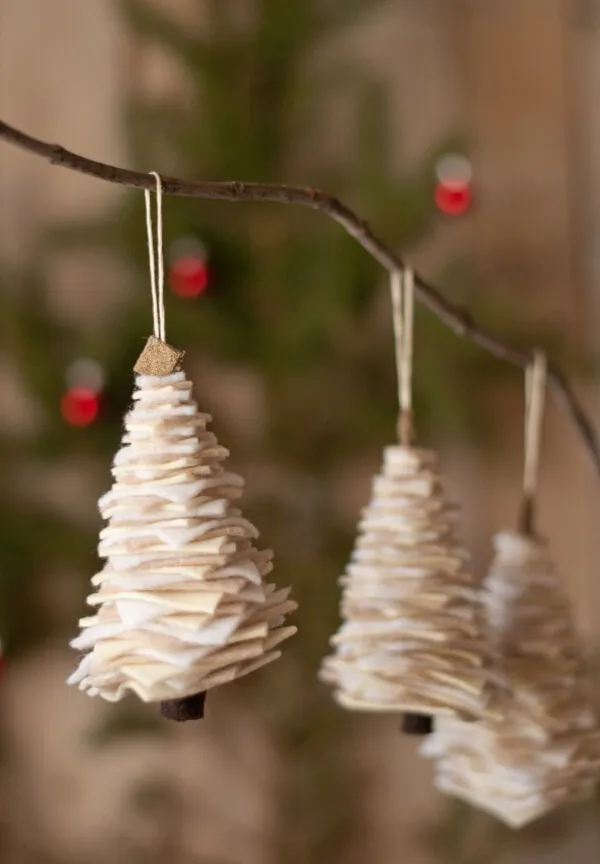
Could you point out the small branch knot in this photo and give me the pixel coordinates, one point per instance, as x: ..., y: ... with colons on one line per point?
x: 57, y: 154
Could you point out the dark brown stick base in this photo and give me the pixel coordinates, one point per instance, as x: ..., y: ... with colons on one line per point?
x: 417, y: 724
x: 180, y: 710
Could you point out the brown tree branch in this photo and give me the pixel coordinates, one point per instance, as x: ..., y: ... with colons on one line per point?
x: 458, y: 320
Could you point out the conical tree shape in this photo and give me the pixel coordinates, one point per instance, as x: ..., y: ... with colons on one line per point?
x: 541, y: 747
x: 181, y: 601
x: 411, y: 637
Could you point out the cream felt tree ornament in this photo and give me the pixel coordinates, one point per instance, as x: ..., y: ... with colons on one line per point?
x: 411, y: 638
x: 541, y: 746
x: 181, y: 603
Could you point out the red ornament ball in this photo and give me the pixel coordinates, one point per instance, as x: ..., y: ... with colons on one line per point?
x: 453, y: 199
x: 188, y: 276
x: 79, y: 406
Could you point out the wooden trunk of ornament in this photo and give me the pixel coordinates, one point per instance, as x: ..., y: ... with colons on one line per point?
x: 181, y: 603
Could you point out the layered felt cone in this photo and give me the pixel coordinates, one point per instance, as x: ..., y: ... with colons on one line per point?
x: 182, y: 604
x: 411, y: 638
x: 540, y: 746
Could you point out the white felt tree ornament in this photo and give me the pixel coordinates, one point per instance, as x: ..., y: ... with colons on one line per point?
x: 182, y: 604
x: 540, y: 747
x: 411, y: 638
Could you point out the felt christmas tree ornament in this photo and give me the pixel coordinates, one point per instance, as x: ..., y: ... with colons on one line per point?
x: 411, y: 639
x: 182, y: 604
x: 540, y: 747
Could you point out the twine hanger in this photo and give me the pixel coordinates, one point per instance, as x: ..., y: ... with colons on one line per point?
x: 157, y: 358
x: 157, y: 273
x: 535, y: 392
x: 402, y: 289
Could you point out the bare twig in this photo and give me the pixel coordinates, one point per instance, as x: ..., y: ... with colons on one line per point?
x: 458, y: 320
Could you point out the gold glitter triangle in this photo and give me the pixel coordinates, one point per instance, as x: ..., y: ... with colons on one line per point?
x: 158, y: 358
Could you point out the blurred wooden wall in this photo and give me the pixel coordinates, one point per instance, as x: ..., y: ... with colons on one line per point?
x: 521, y: 85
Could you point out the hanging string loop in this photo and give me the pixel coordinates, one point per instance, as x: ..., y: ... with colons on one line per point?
x: 536, y: 376
x: 402, y: 283
x: 156, y: 258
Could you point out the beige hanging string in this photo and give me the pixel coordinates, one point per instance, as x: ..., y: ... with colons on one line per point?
x: 157, y: 358
x: 157, y: 277
x: 535, y: 392
x: 402, y: 290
